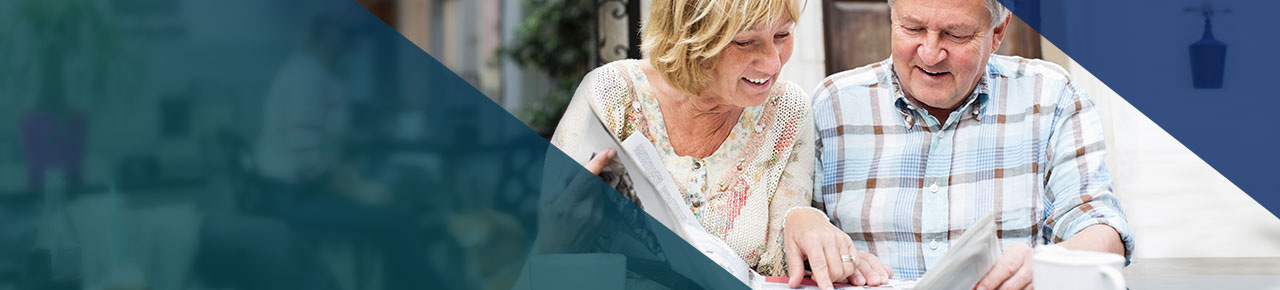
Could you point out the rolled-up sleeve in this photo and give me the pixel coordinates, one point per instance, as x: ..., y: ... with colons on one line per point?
x: 1079, y: 187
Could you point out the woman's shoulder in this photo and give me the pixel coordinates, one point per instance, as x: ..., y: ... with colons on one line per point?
x: 790, y: 97
x: 612, y: 80
x: 615, y: 70
x: 611, y: 90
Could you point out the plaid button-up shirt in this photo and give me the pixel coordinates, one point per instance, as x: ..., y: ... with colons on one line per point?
x: 1027, y: 144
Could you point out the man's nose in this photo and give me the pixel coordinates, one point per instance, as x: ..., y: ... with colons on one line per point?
x: 931, y: 51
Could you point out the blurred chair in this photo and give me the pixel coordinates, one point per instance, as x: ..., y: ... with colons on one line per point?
x: 355, y: 265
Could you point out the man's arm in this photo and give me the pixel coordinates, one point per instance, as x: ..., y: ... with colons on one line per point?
x: 1085, y: 213
x: 1099, y: 238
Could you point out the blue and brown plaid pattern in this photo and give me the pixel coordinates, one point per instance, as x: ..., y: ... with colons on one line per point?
x: 1027, y: 144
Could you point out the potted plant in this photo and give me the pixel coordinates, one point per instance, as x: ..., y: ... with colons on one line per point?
x: 552, y: 38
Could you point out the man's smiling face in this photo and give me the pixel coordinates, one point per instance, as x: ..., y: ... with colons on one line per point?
x: 940, y: 48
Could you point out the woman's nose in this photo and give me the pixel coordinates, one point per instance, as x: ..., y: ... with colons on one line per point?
x: 770, y: 58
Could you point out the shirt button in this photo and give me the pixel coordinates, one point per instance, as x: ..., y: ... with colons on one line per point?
x: 934, y: 187
x: 933, y: 245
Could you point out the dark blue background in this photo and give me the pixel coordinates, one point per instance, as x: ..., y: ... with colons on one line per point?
x: 1139, y: 48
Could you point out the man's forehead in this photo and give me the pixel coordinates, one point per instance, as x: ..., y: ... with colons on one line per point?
x: 943, y: 23
x: 951, y: 15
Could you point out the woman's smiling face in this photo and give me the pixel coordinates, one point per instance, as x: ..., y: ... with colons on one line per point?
x: 749, y: 66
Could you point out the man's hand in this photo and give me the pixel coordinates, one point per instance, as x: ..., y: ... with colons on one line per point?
x: 1012, y: 270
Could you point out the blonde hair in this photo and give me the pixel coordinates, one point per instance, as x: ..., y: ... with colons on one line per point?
x: 682, y: 38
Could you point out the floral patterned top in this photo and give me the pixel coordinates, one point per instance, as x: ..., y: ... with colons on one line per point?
x: 741, y: 192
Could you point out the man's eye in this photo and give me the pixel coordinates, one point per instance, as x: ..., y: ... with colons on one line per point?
x: 915, y: 29
x: 955, y: 36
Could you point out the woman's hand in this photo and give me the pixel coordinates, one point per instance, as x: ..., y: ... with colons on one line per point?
x: 869, y: 270
x: 809, y: 236
x: 568, y: 213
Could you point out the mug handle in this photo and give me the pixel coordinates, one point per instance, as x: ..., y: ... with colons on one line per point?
x: 1117, y: 279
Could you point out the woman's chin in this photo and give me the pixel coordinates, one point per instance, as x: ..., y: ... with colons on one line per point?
x: 752, y: 99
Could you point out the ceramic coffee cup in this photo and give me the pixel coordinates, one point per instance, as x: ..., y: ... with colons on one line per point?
x: 1056, y: 268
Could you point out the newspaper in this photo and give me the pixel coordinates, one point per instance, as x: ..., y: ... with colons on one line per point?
x: 641, y: 178
x: 780, y: 283
x: 969, y: 258
x: 642, y: 153
x: 639, y: 174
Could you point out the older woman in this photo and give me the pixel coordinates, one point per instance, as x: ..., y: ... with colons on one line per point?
x: 736, y: 138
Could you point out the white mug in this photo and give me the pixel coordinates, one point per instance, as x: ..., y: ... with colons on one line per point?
x: 1055, y: 267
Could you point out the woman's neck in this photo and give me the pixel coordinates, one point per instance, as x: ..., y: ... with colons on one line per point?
x: 696, y: 125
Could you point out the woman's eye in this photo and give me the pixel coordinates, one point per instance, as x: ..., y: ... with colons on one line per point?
x: 782, y: 35
x: 742, y: 43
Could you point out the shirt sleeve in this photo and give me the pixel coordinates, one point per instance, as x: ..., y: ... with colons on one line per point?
x: 821, y: 100
x: 816, y: 189
x: 1079, y: 187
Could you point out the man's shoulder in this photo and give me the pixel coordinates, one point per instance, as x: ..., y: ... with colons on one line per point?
x: 854, y: 83
x: 1052, y: 84
x: 1019, y: 68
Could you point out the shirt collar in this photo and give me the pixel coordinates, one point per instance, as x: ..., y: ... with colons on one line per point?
x: 975, y: 104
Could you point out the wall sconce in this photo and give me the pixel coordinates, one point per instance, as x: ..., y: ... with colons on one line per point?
x: 1207, y: 55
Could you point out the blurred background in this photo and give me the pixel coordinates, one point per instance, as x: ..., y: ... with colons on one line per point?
x: 247, y: 144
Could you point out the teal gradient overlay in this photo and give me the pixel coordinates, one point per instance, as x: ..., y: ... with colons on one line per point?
x: 280, y: 144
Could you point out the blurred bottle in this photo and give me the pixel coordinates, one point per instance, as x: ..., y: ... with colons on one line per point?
x: 55, y: 236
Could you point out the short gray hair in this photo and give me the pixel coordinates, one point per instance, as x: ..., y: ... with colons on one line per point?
x: 997, y: 11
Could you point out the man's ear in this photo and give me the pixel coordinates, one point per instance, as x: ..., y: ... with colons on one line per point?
x: 997, y: 34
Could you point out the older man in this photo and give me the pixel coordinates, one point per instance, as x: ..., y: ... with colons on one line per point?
x: 914, y: 149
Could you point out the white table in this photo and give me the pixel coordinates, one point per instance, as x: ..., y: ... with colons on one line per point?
x: 1204, y: 273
